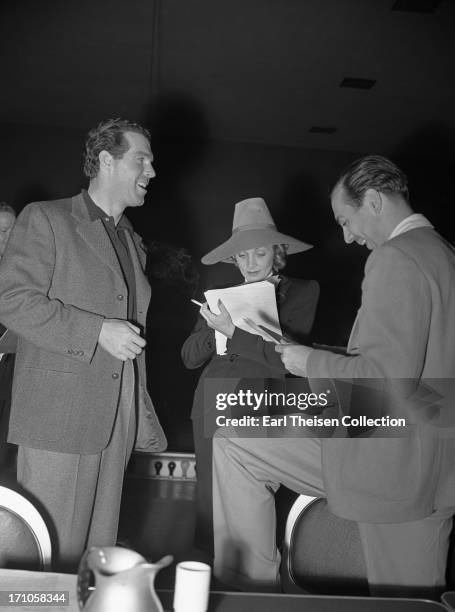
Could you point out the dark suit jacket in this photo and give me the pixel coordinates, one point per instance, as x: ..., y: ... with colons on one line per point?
x: 248, y: 356
x: 6, y: 375
x: 60, y: 279
x: 6, y: 379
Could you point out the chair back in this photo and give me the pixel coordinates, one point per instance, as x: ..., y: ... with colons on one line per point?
x: 24, y: 537
x: 448, y: 599
x: 322, y: 553
x: 450, y: 575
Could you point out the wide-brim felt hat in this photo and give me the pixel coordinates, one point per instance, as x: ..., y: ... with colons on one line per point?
x: 253, y: 227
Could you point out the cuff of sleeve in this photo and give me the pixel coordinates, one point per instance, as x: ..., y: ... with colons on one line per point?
x: 313, y: 362
x: 86, y: 351
x: 305, y: 359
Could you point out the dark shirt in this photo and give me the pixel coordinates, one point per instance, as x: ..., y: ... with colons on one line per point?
x: 118, y: 239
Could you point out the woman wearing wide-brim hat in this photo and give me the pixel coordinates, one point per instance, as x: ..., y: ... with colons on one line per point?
x: 259, y: 250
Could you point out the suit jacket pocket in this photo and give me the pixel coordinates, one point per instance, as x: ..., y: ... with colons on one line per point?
x: 42, y: 402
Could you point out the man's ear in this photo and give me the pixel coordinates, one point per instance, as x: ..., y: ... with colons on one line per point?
x: 373, y: 201
x: 105, y: 160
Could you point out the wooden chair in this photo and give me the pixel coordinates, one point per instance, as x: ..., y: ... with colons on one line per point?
x: 24, y: 537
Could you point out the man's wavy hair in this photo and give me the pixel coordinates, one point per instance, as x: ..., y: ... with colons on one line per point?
x: 108, y: 136
x: 372, y: 172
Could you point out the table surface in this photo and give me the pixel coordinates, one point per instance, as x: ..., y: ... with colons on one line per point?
x: 18, y: 580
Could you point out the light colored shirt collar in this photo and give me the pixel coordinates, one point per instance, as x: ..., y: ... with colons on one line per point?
x: 412, y: 222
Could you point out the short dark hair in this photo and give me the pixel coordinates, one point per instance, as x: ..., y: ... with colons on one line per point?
x: 108, y: 136
x: 372, y: 172
x: 6, y: 208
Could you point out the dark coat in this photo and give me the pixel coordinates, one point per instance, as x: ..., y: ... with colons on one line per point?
x: 248, y: 356
x: 250, y: 363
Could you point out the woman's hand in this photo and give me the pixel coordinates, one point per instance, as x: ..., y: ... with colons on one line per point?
x: 220, y: 322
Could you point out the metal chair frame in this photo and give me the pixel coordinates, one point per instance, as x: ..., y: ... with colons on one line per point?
x: 302, y: 503
x: 26, y: 511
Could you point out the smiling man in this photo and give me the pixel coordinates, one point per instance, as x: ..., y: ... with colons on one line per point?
x: 400, y: 491
x: 370, y: 210
x: 74, y: 291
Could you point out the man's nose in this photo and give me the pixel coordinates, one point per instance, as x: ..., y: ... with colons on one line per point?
x: 150, y: 170
x: 348, y: 237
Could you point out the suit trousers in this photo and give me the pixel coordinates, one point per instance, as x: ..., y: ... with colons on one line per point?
x: 402, y: 559
x: 79, y: 495
x: 6, y: 380
x: 203, y: 534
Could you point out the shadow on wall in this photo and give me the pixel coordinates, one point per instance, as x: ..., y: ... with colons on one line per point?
x: 174, y: 279
x: 179, y: 133
x: 427, y: 159
x: 306, y: 214
x: 33, y: 192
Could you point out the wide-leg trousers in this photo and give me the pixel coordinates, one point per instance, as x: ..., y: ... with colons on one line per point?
x: 402, y: 559
x: 79, y: 495
x: 203, y: 532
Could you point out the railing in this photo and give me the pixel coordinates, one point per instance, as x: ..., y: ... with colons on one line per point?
x: 164, y: 466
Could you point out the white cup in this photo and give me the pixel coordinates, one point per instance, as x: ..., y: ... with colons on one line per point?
x: 192, y: 585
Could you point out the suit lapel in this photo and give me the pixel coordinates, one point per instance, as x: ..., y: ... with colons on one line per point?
x: 142, y: 284
x: 281, y: 295
x: 95, y: 235
x: 353, y: 343
x: 97, y: 239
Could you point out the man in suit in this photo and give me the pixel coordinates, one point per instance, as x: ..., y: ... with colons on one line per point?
x: 401, y: 491
x: 7, y: 220
x: 74, y: 291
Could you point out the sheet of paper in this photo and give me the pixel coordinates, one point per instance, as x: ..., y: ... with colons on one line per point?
x: 255, y: 301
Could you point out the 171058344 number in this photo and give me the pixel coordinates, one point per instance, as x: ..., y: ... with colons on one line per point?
x: 35, y: 598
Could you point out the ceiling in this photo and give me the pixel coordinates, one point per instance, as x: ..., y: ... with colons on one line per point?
x: 257, y: 71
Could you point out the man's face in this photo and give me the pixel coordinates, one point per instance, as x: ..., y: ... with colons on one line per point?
x: 359, y: 225
x: 7, y: 221
x: 131, y: 173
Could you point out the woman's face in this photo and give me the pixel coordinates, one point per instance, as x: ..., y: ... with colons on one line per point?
x: 255, y: 264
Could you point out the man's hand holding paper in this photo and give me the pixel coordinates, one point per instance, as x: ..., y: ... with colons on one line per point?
x: 294, y: 357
